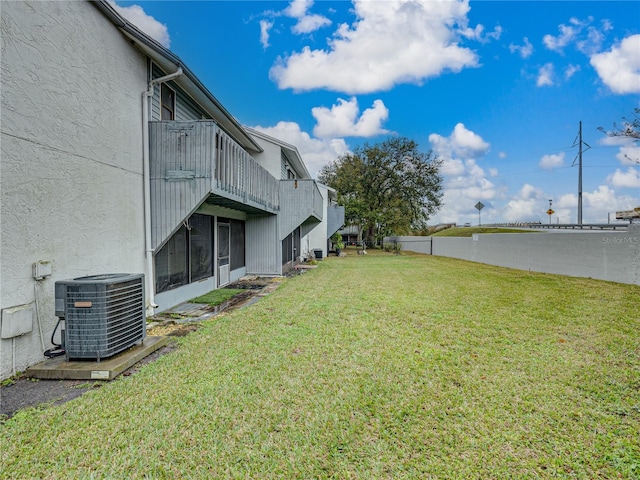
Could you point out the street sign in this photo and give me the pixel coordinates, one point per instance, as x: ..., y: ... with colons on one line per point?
x: 479, y: 206
x: 550, y: 212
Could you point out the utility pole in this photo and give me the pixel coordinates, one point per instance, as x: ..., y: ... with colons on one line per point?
x: 579, y: 158
x: 580, y: 176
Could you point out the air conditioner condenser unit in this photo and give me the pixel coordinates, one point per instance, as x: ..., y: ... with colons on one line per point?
x: 103, y: 314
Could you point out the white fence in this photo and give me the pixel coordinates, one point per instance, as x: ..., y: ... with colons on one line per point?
x: 604, y: 255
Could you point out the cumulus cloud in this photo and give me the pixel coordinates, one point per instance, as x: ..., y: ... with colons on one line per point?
x: 314, y: 152
x: 526, y: 205
x: 149, y: 25
x: 549, y: 162
x: 465, y: 182
x: 524, y: 50
x: 619, y: 68
x: 461, y: 144
x: 307, y: 23
x: 545, y: 75
x: 628, y: 179
x: 391, y: 42
x: 342, y: 119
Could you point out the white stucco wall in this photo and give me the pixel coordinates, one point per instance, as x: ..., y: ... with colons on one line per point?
x: 71, y: 166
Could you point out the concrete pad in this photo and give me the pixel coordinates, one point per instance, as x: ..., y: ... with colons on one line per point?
x: 107, y: 369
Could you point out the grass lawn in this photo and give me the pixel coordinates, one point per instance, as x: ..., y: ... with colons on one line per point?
x: 375, y: 366
x: 216, y: 297
x: 470, y: 231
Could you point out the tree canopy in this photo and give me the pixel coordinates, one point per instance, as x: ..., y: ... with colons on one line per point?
x: 387, y: 188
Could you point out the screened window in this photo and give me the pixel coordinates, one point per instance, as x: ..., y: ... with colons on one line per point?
x: 187, y: 256
x: 291, y: 246
x: 201, y: 246
x: 237, y: 244
x: 171, y: 263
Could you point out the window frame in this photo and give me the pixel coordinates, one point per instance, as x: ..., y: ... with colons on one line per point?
x: 171, y: 109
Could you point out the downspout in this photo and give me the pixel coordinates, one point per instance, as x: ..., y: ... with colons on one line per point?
x: 146, y: 95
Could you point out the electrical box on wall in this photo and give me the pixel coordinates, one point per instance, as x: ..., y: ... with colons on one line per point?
x: 42, y: 269
x: 16, y: 321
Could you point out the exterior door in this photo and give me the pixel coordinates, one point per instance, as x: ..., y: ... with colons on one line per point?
x: 223, y: 253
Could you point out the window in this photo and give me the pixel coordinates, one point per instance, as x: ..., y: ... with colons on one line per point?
x: 201, y: 246
x: 237, y: 244
x: 171, y: 262
x: 291, y: 246
x: 187, y: 256
x: 168, y: 103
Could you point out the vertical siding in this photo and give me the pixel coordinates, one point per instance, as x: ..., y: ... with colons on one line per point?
x: 262, y: 246
x: 298, y: 205
x: 186, y: 108
x: 335, y: 219
x: 182, y: 158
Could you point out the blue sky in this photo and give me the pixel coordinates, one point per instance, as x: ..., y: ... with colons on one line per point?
x: 495, y: 88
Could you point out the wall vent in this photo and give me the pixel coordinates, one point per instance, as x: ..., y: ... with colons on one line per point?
x: 103, y: 314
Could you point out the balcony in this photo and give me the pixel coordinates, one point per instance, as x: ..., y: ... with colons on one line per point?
x: 196, y: 162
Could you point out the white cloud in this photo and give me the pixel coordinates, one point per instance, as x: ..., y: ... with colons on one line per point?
x: 502, y: 155
x: 549, y: 162
x: 149, y: 25
x: 527, y: 205
x: 342, y: 119
x: 619, y: 68
x: 566, y: 36
x: 314, y: 152
x: 265, y: 27
x: 307, y: 23
x: 545, y: 75
x: 570, y: 71
x: 310, y: 23
x: 421, y: 40
x: 479, y: 34
x: 628, y: 179
x: 587, y: 38
x: 298, y: 8
x: 629, y: 154
x: 462, y: 143
x: 524, y: 51
x: 465, y: 182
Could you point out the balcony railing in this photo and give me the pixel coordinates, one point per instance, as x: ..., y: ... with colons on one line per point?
x: 193, y: 162
x: 238, y: 174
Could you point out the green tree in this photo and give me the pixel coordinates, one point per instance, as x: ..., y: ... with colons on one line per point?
x: 387, y: 188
